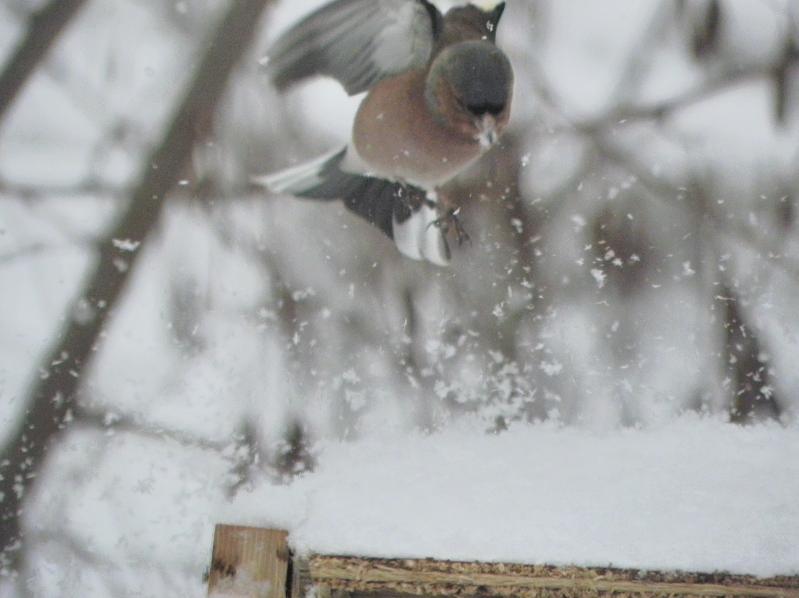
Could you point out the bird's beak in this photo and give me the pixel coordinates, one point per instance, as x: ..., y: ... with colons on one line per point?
x: 487, y: 131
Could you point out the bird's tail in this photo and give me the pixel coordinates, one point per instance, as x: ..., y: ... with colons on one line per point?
x: 301, y: 179
x: 405, y: 213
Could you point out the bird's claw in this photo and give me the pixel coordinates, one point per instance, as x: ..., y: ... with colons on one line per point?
x: 450, y: 221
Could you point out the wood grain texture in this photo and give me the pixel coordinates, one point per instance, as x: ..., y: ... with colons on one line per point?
x: 248, y: 563
x: 360, y: 577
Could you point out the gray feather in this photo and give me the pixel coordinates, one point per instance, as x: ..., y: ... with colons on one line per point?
x: 357, y: 42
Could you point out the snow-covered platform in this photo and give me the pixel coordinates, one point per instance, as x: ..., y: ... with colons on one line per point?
x: 692, y: 495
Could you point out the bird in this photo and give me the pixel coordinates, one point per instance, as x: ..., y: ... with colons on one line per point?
x: 438, y: 94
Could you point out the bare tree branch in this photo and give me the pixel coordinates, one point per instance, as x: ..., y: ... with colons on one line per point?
x: 768, y: 248
x: 632, y: 75
x: 626, y: 112
x: 45, y: 27
x: 112, y: 423
x: 117, y: 130
x: 664, y: 108
x: 748, y: 375
x: 31, y: 192
x: 54, y: 390
x: 39, y: 249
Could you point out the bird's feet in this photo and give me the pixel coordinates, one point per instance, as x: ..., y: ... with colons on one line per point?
x: 415, y: 211
x: 451, y: 222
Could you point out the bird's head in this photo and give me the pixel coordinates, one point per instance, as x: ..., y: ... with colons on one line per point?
x: 469, y: 89
x: 484, y: 15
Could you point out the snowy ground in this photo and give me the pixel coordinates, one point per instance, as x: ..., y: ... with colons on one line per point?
x: 695, y: 494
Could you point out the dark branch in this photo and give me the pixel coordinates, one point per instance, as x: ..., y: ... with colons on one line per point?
x: 752, y: 397
x: 45, y: 27
x: 53, y: 391
x: 117, y: 423
x: 766, y: 247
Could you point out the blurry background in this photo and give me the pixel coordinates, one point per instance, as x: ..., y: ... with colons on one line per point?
x: 170, y: 335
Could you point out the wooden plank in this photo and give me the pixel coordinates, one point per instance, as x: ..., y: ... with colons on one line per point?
x: 248, y: 563
x: 299, y: 579
x: 358, y: 576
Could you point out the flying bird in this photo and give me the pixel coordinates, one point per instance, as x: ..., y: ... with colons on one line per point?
x: 439, y: 94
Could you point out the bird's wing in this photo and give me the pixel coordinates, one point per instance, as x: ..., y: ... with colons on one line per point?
x: 401, y: 211
x: 357, y: 42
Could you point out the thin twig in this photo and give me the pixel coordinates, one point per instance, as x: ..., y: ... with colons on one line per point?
x: 111, y: 422
x: 38, y: 249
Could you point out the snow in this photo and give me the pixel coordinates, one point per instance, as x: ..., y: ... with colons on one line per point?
x: 695, y: 494
x: 196, y: 347
x: 240, y: 585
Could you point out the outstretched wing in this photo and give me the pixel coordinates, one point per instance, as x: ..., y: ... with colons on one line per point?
x: 401, y: 211
x: 357, y: 42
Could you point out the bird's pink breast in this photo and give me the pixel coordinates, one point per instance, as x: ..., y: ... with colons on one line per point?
x: 396, y: 135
